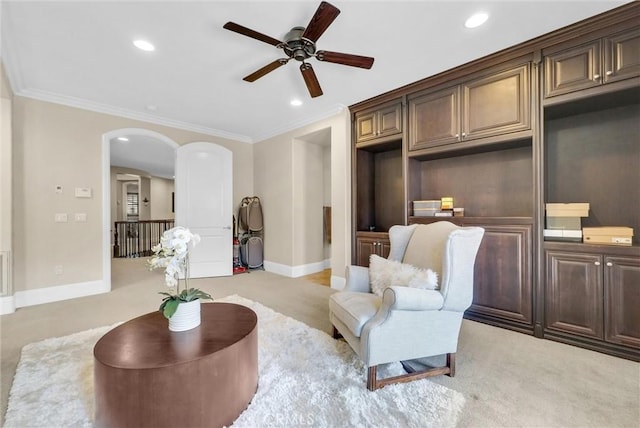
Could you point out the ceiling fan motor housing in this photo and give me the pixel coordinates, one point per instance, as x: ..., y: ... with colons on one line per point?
x: 296, y: 46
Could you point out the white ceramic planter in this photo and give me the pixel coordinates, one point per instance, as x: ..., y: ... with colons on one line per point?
x: 187, y: 316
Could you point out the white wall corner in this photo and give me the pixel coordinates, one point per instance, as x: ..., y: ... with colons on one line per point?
x: 7, y: 305
x: 59, y: 292
x: 338, y: 282
x: 296, y: 271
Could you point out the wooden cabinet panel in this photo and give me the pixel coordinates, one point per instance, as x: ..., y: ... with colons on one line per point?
x: 592, y: 64
x: 496, y: 104
x: 491, y: 105
x: 371, y: 243
x: 365, y: 126
x: 622, y: 56
x: 502, y: 276
x: 622, y: 301
x: 573, y: 294
x: 380, y: 123
x: 390, y: 120
x: 572, y: 69
x: 433, y: 119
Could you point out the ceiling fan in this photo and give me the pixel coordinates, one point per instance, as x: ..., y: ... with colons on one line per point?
x: 300, y: 44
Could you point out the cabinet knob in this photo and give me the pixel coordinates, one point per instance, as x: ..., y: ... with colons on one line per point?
x: 596, y: 263
x: 596, y: 77
x: 609, y: 264
x: 609, y: 73
x: 464, y: 134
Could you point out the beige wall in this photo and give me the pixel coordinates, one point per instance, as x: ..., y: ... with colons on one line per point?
x: 55, y: 144
x: 274, y: 175
x: 161, y: 189
x: 307, y: 200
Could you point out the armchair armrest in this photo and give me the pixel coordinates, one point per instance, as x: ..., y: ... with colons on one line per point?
x: 411, y: 299
x: 357, y: 279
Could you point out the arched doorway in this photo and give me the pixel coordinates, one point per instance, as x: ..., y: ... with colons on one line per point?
x: 142, y: 158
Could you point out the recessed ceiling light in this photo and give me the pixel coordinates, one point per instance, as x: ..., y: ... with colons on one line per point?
x: 296, y: 102
x: 123, y: 139
x: 152, y: 107
x: 144, y: 45
x: 476, y: 20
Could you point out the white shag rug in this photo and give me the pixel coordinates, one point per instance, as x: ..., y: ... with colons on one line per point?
x: 306, y: 378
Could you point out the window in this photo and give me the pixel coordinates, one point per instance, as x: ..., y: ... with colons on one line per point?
x: 132, y: 204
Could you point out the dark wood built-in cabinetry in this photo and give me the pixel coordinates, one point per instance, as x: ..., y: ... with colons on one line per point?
x: 380, y: 123
x: 553, y: 119
x: 602, y: 61
x: 593, y: 295
x: 368, y: 243
x: 493, y: 104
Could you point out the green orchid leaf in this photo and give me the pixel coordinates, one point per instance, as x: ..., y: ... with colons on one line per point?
x: 170, y: 308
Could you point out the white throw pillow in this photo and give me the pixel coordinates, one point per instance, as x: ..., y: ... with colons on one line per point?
x: 384, y: 273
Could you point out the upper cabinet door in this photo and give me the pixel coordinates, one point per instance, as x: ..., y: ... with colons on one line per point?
x: 496, y: 104
x: 434, y: 119
x: 380, y: 123
x: 622, y: 56
x: 365, y: 126
x: 572, y: 69
x: 610, y: 59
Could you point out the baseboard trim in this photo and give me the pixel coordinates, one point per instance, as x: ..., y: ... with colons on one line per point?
x: 7, y: 305
x: 296, y: 271
x: 59, y: 292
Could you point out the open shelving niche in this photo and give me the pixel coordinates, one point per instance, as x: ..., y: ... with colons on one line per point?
x: 592, y: 154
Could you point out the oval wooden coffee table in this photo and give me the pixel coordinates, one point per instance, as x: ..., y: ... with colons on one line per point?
x: 148, y: 376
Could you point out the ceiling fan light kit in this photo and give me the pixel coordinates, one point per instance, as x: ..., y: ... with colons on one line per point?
x: 300, y: 44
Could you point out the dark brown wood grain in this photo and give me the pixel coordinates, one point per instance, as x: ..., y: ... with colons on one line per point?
x: 148, y: 376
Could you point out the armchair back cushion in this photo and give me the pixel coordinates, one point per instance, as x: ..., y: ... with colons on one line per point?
x: 427, y: 246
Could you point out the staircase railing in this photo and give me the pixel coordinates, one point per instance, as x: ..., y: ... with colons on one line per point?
x: 135, y: 238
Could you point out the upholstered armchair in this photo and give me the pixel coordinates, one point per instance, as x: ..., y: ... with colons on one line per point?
x: 410, y: 323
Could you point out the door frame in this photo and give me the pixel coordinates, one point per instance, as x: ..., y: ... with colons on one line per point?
x: 106, y: 192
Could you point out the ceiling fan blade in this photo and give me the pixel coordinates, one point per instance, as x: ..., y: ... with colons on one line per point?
x: 264, y: 70
x: 345, y: 59
x: 311, y: 80
x: 320, y: 21
x: 232, y: 26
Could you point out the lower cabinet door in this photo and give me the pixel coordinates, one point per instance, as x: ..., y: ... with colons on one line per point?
x: 502, y: 279
x: 622, y: 301
x: 573, y: 294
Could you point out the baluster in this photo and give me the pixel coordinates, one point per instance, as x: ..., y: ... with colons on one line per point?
x: 116, y: 246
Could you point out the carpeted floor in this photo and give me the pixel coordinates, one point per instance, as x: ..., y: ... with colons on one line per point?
x: 508, y: 379
x: 317, y: 381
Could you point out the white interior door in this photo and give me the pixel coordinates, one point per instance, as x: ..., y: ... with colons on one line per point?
x: 203, y: 203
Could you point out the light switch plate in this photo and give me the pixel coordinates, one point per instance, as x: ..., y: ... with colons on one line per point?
x: 60, y: 218
x: 83, y: 192
x: 80, y: 217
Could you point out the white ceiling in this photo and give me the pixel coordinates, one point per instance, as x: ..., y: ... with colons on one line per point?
x: 80, y: 53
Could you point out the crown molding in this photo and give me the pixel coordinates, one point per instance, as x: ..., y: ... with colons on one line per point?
x: 80, y: 103
x: 291, y: 126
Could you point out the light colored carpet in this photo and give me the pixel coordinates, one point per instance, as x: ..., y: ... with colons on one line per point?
x: 306, y: 378
x: 508, y: 379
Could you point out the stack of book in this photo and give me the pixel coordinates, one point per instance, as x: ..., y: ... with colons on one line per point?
x: 564, y: 221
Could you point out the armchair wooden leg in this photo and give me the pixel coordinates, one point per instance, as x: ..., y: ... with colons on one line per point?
x: 449, y: 369
x: 336, y: 333
x: 451, y: 363
x: 372, y: 374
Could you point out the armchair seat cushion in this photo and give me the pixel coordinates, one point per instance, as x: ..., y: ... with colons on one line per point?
x: 354, y: 309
